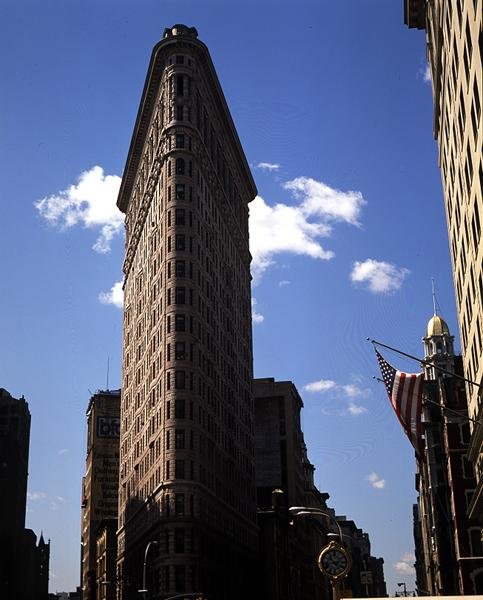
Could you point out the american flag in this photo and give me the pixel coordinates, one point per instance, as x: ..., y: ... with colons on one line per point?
x: 405, y: 392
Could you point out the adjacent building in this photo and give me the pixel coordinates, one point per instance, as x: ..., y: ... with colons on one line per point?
x: 100, y: 497
x: 449, y: 553
x: 187, y: 452
x: 24, y: 564
x: 454, y: 36
x: 289, y: 547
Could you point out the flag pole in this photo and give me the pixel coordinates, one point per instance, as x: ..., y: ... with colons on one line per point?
x: 422, y: 361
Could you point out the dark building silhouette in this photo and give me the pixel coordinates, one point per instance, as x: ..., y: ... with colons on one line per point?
x: 14, y: 457
x: 366, y: 576
x: 24, y: 564
x: 34, y: 568
x: 448, y: 544
x: 289, y: 546
x: 187, y: 452
x: 100, y: 497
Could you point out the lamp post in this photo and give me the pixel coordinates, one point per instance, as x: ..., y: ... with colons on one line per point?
x: 300, y: 511
x: 148, y: 545
x: 334, y: 560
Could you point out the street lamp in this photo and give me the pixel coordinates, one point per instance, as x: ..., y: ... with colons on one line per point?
x: 300, y: 511
x: 149, y: 544
x: 334, y: 560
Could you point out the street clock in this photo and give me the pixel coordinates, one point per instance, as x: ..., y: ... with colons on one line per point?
x: 334, y: 561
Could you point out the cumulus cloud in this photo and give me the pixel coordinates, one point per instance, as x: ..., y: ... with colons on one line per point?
x: 91, y: 202
x: 318, y: 199
x: 376, y: 481
x: 380, y: 277
x: 265, y: 166
x: 427, y: 74
x: 114, y: 296
x: 356, y: 409
x: 322, y: 385
x: 297, y: 229
x: 406, y: 564
x: 36, y: 496
x: 256, y: 316
x: 340, y: 392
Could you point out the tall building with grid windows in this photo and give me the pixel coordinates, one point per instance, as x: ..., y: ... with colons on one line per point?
x: 187, y: 450
x: 454, y: 36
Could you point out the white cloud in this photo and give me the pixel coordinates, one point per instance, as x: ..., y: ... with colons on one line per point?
x: 340, y: 392
x: 265, y: 166
x: 283, y: 283
x: 256, y: 316
x: 297, y: 229
x: 90, y: 202
x: 381, y: 277
x: 322, y: 385
x: 405, y: 564
x: 318, y: 199
x: 353, y: 391
x: 63, y: 451
x: 35, y: 496
x: 356, y: 409
x: 376, y: 481
x: 427, y: 74
x: 114, y: 296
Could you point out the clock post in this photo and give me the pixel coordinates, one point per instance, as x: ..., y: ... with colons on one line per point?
x: 334, y: 559
x: 335, y: 562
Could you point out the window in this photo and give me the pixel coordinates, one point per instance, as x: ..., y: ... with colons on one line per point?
x: 180, y: 380
x: 180, y: 191
x: 179, y: 505
x: 179, y: 439
x: 179, y: 112
x: 180, y: 295
x: 180, y: 242
x: 180, y: 59
x: 179, y: 468
x: 180, y: 351
x: 179, y: 166
x: 180, y: 140
x: 179, y: 323
x: 467, y: 468
x: 475, y: 541
x: 180, y: 216
x: 180, y: 268
x: 179, y: 408
x: 179, y: 578
x: 179, y: 540
x: 180, y: 85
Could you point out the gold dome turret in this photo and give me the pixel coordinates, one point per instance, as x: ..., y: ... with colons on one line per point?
x: 437, y: 326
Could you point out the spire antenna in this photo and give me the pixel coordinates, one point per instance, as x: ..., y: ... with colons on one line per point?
x: 435, y: 310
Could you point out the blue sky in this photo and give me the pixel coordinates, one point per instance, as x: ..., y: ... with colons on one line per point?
x: 335, y: 116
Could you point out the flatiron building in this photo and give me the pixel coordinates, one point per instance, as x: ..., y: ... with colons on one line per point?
x: 186, y: 448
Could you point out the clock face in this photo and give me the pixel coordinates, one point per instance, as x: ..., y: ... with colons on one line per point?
x: 334, y: 561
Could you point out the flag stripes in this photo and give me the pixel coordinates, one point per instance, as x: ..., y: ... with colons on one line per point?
x: 405, y: 394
